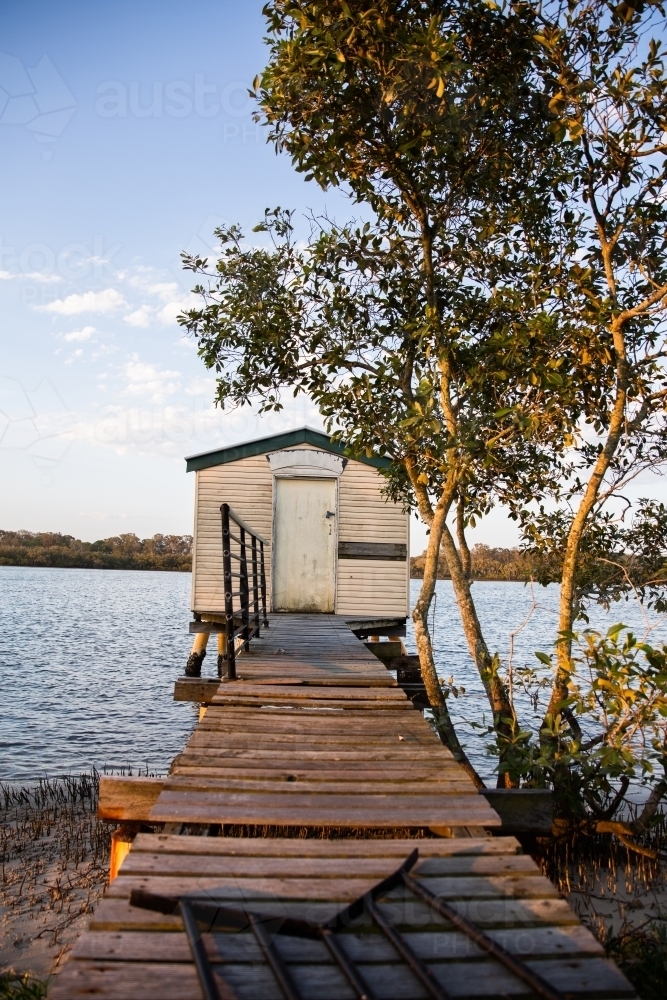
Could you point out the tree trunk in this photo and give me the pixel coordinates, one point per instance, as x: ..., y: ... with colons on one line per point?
x: 464, y: 551
x: 566, y: 614
x: 504, y: 717
x: 436, y: 698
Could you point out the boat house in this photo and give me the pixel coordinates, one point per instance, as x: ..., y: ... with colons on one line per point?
x: 333, y: 543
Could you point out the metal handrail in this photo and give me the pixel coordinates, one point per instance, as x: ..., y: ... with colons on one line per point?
x: 251, y: 581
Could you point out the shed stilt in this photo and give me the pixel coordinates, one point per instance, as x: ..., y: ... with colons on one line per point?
x: 197, y: 654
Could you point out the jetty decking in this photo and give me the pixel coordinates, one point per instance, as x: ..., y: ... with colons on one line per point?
x: 316, y: 737
x: 315, y: 732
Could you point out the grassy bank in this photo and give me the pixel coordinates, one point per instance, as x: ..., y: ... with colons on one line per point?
x: 161, y: 552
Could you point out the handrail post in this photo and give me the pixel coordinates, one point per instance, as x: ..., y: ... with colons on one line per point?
x: 245, y: 623
x: 255, y: 589
x: 263, y: 583
x: 229, y: 600
x: 245, y: 593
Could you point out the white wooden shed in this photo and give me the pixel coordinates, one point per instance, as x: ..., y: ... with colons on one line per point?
x: 336, y: 544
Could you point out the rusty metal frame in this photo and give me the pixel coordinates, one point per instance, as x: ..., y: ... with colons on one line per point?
x: 200, y: 914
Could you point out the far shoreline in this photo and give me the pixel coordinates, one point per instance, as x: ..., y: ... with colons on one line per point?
x: 161, y: 569
x: 110, y: 569
x: 174, y: 553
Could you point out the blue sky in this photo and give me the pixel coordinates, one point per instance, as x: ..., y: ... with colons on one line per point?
x: 126, y: 136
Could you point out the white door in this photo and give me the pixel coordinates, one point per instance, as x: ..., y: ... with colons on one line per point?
x: 304, y: 547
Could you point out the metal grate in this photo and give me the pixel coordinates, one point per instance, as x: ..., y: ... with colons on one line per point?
x: 207, y: 916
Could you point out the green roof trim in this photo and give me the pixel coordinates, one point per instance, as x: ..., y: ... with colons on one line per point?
x: 303, y: 435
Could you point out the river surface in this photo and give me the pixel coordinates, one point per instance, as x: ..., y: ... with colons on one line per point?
x: 88, y: 659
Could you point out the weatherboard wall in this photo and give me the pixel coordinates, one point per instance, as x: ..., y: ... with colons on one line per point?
x: 363, y: 586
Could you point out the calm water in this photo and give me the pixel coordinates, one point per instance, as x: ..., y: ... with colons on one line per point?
x: 502, y: 609
x: 87, y: 664
x: 88, y: 659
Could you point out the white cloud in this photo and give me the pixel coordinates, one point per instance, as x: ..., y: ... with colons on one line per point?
x: 80, y: 335
x: 145, y: 279
x: 140, y: 316
x: 201, y: 387
x: 43, y: 276
x: 96, y: 302
x: 167, y: 315
x: 147, y: 380
x: 165, y: 289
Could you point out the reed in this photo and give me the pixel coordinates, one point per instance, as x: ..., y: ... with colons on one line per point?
x: 54, y: 854
x: 620, y: 895
x: 14, y: 986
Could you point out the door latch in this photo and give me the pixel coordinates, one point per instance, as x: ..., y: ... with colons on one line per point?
x: 331, y: 513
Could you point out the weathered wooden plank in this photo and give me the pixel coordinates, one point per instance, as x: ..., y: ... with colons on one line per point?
x: 361, y: 627
x: 290, y: 784
x: 326, y: 726
x: 311, y: 661
x: 396, y: 850
x: 391, y: 551
x: 237, y: 689
x: 247, y: 701
x: 151, y: 863
x: 256, y: 674
x: 379, y: 716
x: 354, y: 726
x: 291, y: 744
x: 287, y: 700
x: 523, y: 810
x: 210, y: 735
x: 132, y: 981
x: 199, y: 689
x: 385, y: 650
x: 290, y: 753
x: 302, y: 722
x: 127, y: 799
x: 576, y: 977
x: 328, y: 730
x: 463, y: 887
x: 214, y: 763
x: 164, y: 946
x: 116, y: 914
x: 209, y: 627
x: 145, y: 981
x: 369, y: 811
x: 313, y: 711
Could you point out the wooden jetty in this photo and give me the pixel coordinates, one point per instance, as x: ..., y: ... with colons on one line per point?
x: 307, y: 784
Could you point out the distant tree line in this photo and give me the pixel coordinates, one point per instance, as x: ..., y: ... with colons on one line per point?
x: 487, y: 563
x: 163, y: 552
